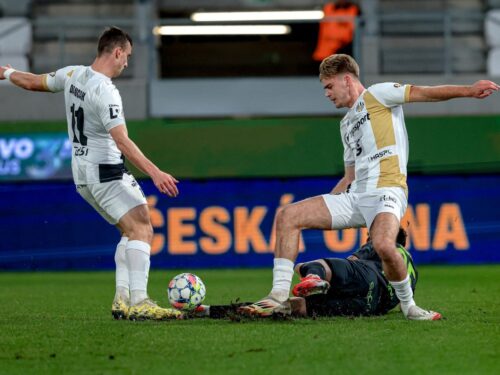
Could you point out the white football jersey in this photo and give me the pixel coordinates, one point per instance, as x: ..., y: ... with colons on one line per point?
x: 93, y: 108
x: 375, y: 139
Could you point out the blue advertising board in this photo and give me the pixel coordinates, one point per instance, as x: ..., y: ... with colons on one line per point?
x: 35, y: 156
x: 229, y: 223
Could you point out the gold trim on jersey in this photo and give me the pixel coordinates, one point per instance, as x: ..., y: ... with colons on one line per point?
x: 381, y: 121
x: 407, y: 93
x: 383, y: 131
x: 390, y: 174
x: 70, y: 73
x: 45, y: 85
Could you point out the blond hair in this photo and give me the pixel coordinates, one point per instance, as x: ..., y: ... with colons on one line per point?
x: 337, y: 64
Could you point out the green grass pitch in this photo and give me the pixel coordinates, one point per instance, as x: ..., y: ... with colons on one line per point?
x: 60, y: 323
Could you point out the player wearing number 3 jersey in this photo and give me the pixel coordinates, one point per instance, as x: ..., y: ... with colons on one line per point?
x: 373, y: 191
x: 98, y: 132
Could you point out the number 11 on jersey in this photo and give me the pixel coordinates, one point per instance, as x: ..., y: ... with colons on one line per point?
x: 77, y: 121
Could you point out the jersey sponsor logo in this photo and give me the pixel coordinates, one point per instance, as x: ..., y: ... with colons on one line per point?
x: 357, y: 126
x: 380, y: 154
x: 114, y: 111
x: 387, y: 198
x: 397, y: 85
x: 80, y: 94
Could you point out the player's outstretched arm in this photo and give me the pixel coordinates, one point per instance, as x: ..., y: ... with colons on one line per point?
x: 164, y: 182
x: 25, y: 80
x: 479, y: 90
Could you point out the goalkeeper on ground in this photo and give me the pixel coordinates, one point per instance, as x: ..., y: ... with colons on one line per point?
x: 352, y: 287
x: 355, y: 286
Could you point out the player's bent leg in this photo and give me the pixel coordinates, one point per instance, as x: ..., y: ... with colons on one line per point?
x: 310, y: 213
x: 314, y: 279
x: 383, y: 233
x: 119, y: 202
x: 290, y: 220
x: 136, y: 223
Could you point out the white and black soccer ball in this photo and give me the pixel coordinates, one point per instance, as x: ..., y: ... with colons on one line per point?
x: 186, y: 291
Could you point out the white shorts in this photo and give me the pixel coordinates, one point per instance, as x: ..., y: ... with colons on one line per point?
x: 354, y: 210
x: 113, y: 199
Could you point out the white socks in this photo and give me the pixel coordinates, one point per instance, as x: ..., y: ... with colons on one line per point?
x: 282, y: 279
x: 404, y: 293
x: 122, y: 280
x: 137, y: 254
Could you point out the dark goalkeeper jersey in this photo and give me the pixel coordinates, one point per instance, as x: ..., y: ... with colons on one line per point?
x: 359, y: 287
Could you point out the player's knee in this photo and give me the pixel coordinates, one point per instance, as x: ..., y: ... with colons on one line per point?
x: 142, y: 232
x: 385, y: 248
x: 285, y: 218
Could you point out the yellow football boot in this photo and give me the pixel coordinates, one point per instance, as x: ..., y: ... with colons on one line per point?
x: 120, y: 308
x: 147, y: 309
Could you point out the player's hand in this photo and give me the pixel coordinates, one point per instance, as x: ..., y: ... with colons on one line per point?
x: 483, y: 89
x: 166, y: 184
x: 3, y: 69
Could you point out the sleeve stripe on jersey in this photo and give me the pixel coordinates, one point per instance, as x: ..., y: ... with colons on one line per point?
x: 407, y: 93
x: 44, y: 83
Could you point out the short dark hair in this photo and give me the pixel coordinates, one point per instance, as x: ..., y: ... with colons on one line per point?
x: 111, y: 38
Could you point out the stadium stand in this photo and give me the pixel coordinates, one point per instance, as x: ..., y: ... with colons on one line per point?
x: 419, y: 41
x: 492, y: 35
x: 414, y: 36
x: 15, y: 8
x: 15, y: 42
x: 65, y: 32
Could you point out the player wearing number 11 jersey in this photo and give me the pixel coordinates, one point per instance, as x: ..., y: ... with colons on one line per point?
x: 97, y: 129
x: 93, y: 108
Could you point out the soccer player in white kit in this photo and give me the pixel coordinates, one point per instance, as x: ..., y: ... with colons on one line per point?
x: 373, y: 191
x: 97, y: 129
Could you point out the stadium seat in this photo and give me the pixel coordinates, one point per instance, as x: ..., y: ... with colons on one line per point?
x: 15, y: 8
x: 493, y: 62
x: 492, y: 28
x: 15, y: 42
x: 15, y: 36
x: 493, y: 3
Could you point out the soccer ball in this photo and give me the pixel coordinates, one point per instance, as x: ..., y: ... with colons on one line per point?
x: 186, y: 291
